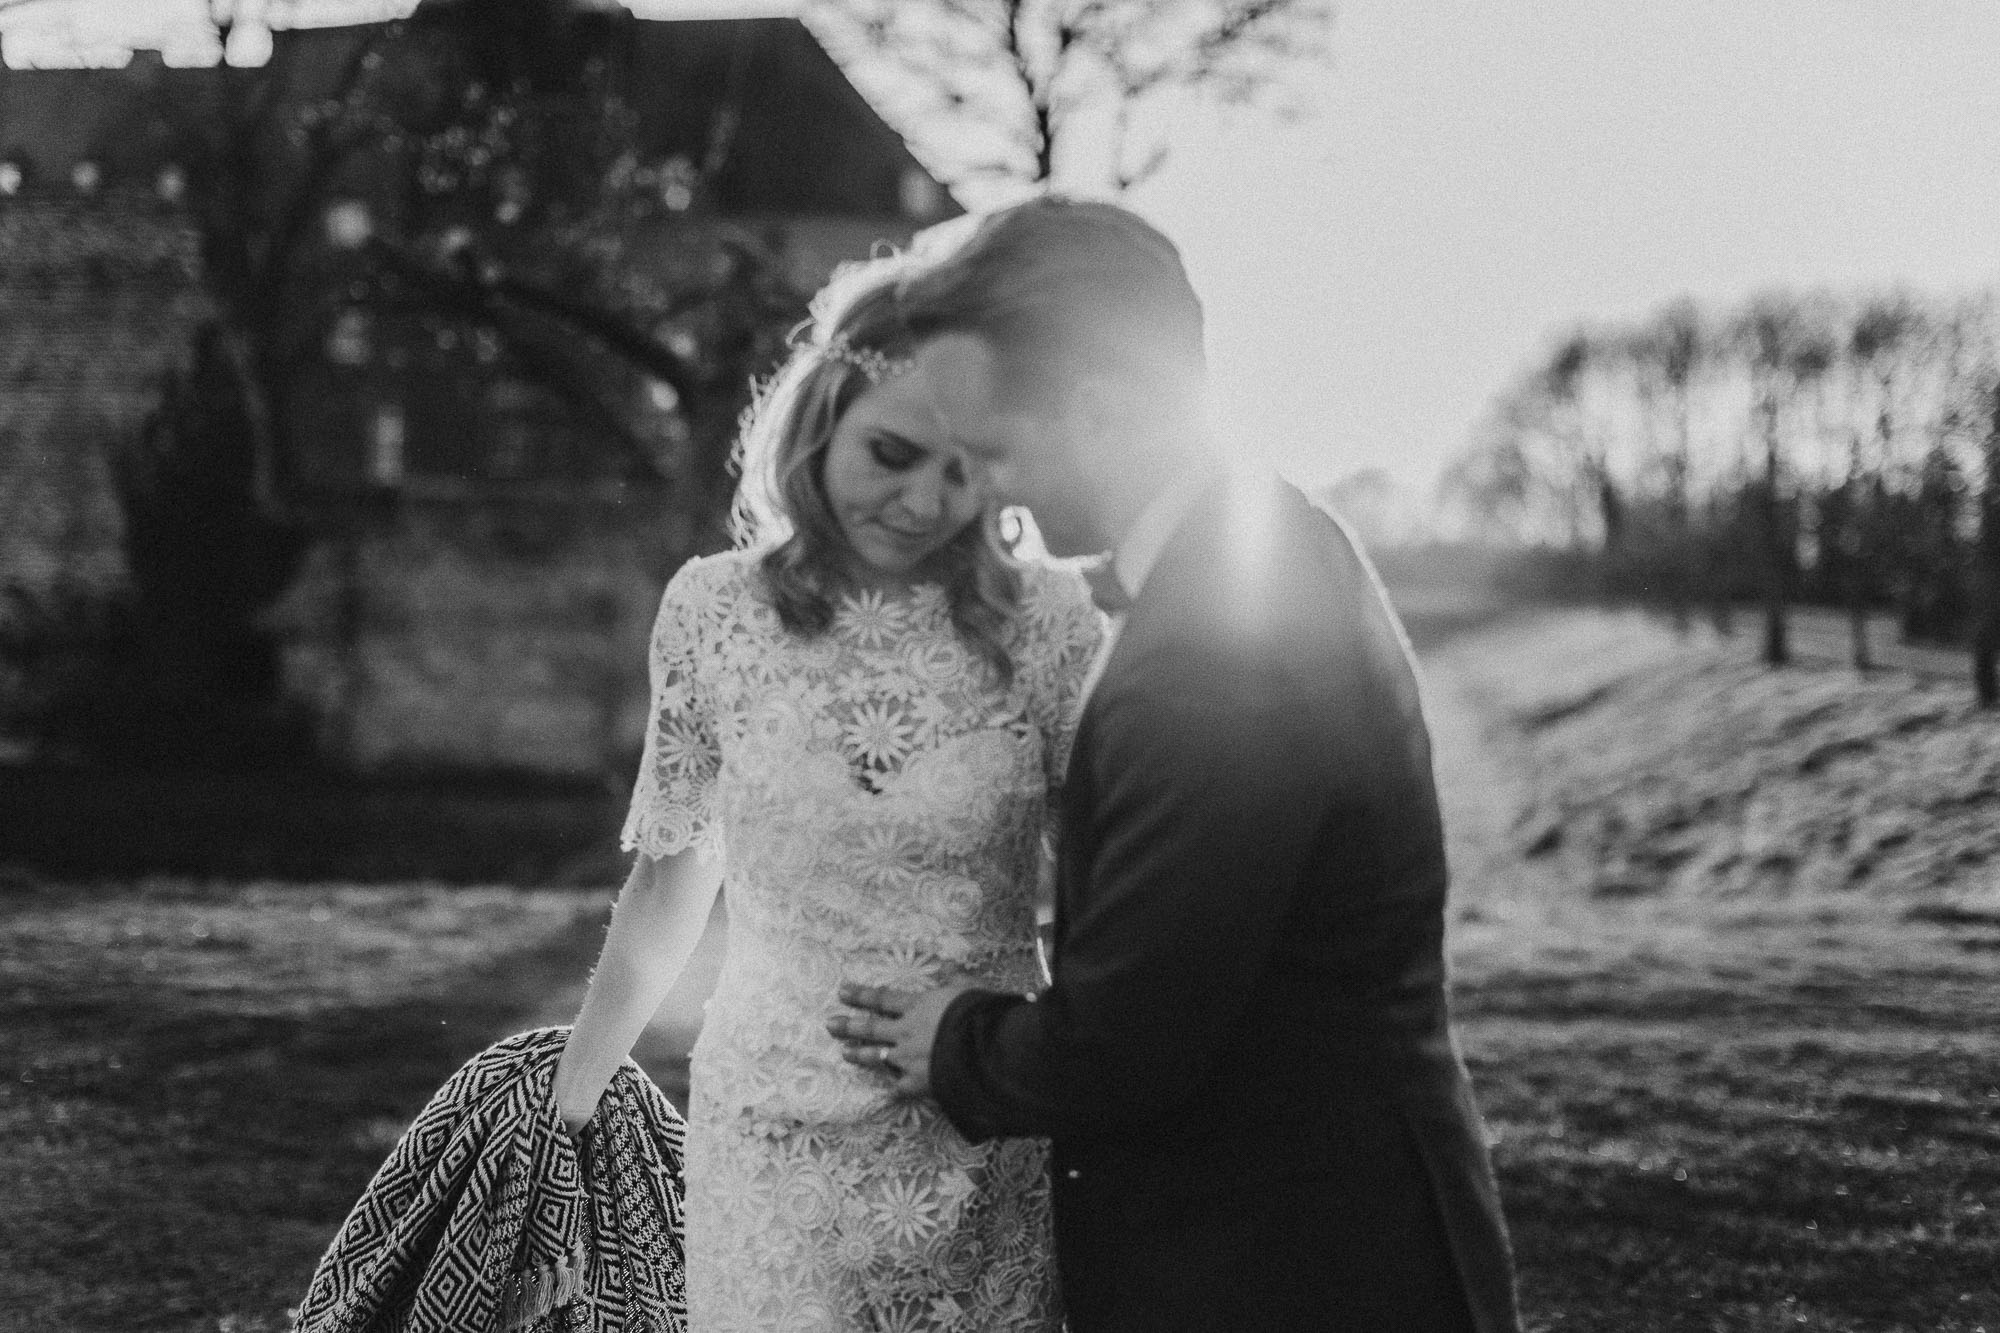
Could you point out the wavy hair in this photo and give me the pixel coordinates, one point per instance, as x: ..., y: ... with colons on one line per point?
x: 781, y: 505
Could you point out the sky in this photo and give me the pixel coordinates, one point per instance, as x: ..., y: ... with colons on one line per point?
x: 1474, y: 176
x: 1481, y: 174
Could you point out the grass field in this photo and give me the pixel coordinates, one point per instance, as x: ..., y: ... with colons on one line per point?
x: 195, y: 1081
x: 1733, y: 1085
x: 1728, y: 980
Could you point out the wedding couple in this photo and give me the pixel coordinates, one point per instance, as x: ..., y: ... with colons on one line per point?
x: 873, y: 720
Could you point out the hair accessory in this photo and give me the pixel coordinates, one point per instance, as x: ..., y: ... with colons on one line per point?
x: 876, y: 364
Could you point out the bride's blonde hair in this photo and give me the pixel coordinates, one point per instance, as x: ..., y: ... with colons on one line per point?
x: 1055, y: 288
x: 857, y: 330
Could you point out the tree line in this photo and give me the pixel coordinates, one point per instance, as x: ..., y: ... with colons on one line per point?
x: 1800, y: 448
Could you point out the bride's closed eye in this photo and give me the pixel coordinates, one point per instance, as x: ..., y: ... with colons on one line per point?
x: 893, y: 453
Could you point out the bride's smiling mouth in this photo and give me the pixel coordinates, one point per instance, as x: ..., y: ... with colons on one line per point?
x: 905, y: 536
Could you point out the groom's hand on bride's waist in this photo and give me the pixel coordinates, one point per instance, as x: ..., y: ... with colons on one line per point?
x: 892, y: 1031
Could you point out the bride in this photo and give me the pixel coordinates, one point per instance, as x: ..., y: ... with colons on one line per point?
x: 859, y: 718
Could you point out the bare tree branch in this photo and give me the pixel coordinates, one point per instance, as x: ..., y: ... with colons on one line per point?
x: 1062, y: 63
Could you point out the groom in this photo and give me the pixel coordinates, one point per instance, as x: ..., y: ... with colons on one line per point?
x: 1259, y: 1117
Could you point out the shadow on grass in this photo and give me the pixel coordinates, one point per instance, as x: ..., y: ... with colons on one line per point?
x: 1820, y: 1151
x: 174, y: 1165
x: 83, y: 822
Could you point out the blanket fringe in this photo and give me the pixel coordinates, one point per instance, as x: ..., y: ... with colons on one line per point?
x: 541, y: 1290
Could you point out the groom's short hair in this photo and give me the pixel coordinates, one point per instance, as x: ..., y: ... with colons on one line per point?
x: 1055, y: 286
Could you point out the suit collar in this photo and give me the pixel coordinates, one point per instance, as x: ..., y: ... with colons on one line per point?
x: 1139, y: 550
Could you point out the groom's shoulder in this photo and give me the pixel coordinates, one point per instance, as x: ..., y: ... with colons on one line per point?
x: 1268, y: 582
x: 1264, y: 555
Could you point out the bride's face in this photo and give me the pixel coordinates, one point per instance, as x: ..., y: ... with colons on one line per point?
x: 899, y: 489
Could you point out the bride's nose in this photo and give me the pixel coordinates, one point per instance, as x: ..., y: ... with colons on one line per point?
x: 922, y: 496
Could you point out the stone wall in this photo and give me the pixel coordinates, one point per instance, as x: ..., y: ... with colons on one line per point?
x: 97, y: 298
x: 502, y: 635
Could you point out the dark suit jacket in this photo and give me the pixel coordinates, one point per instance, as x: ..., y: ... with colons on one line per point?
x: 1260, y: 1119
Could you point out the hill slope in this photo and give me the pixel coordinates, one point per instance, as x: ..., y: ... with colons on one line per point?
x: 1653, y: 767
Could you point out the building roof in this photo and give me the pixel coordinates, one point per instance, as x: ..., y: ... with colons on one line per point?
x: 802, y: 139
x: 758, y: 99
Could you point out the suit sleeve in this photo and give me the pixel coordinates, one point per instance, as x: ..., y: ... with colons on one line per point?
x: 1216, y: 776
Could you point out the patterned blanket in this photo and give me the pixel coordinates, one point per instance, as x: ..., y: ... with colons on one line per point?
x: 488, y: 1216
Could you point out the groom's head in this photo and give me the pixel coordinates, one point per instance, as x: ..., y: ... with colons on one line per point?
x: 1067, y: 344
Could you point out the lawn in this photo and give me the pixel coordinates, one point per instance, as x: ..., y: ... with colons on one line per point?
x: 1728, y: 979
x: 1723, y: 1098
x: 1787, y: 1138
x: 196, y: 1080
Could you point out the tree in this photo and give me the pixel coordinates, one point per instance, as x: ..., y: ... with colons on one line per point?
x: 1577, y: 366
x: 205, y: 558
x: 1880, y: 339
x: 467, y: 167
x: 512, y: 132
x: 528, y: 220
x: 1786, y: 350
x: 1514, y: 480
x: 1014, y: 91
x: 1860, y: 431
x: 1986, y: 627
x: 1495, y: 483
x: 1542, y: 463
x: 1666, y: 354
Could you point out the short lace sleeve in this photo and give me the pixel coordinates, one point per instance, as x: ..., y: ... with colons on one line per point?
x: 673, y: 801
x: 1064, y: 631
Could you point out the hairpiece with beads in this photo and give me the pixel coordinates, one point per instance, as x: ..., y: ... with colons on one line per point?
x: 876, y: 364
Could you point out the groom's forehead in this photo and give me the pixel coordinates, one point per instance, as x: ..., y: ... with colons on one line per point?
x: 960, y: 374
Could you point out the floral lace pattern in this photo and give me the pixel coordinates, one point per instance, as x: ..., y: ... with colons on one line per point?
x: 881, y: 800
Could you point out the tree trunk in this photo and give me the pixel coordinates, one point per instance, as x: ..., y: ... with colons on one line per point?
x: 1721, y: 550
x: 1777, y: 646
x: 1680, y: 566
x: 1853, y: 539
x: 1680, y: 532
x: 1986, y: 650
x: 350, y: 630
x: 240, y: 355
x: 1986, y: 579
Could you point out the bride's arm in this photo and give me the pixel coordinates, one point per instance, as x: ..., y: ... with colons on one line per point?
x: 655, y: 926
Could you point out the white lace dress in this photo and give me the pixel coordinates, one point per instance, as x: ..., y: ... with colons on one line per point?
x: 880, y: 801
